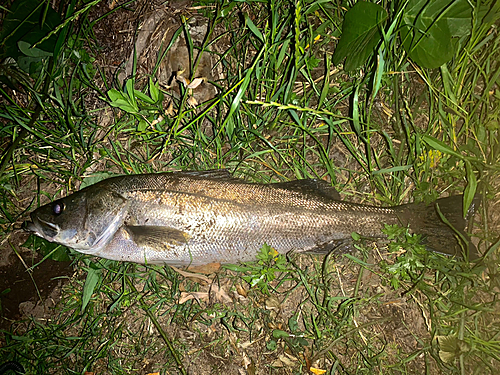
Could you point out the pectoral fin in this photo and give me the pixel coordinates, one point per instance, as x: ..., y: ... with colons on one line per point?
x: 157, y: 237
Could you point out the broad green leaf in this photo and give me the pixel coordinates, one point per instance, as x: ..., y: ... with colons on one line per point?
x: 227, y: 9
x: 143, y: 97
x: 438, y: 145
x: 121, y: 101
x: 360, y: 34
x: 489, y: 15
x: 254, y: 28
x: 142, y: 125
x: 93, y: 276
x: 48, y: 249
x: 271, y: 345
x: 95, y: 178
x: 283, y: 52
x: 393, y: 169
x: 124, y: 105
x: 32, y: 52
x: 153, y: 90
x: 429, y: 28
x: 129, y: 86
x: 279, y: 334
x: 236, y: 267
x: 22, y: 23
x: 115, y: 94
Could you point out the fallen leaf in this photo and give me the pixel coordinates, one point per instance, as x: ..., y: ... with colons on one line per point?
x: 183, y: 80
x: 170, y: 110
x: 196, y: 82
x: 220, y: 294
x: 179, y: 73
x: 192, y: 101
x: 277, y: 363
x: 199, y: 296
x: 192, y: 275
x: 241, y: 291
x: 272, y: 303
x: 158, y: 120
x: 287, y: 360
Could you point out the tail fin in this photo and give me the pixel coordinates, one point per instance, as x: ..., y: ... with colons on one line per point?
x: 442, y: 225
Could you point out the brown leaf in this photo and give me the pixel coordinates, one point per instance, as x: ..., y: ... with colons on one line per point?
x: 192, y: 102
x: 199, y: 296
x: 241, y: 291
x: 196, y: 82
x: 220, y: 294
x: 192, y: 275
x: 170, y: 109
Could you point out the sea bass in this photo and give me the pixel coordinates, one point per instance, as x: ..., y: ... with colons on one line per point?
x: 196, y: 218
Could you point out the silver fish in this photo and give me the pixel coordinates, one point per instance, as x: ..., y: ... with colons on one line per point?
x: 195, y: 218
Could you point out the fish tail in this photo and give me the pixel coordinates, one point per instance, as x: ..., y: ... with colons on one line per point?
x: 442, y: 225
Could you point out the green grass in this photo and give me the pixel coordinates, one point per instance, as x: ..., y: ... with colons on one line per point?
x: 387, y: 133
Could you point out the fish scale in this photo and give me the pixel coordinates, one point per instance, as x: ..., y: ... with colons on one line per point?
x: 195, y: 218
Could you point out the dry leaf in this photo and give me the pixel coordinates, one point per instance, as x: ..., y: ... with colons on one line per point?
x: 220, y: 294
x: 241, y: 291
x: 158, y: 120
x: 179, y: 73
x: 272, y: 303
x: 170, y: 109
x: 199, y: 296
x: 287, y: 360
x: 277, y: 363
x: 191, y: 275
x: 183, y: 80
x: 196, y: 82
x: 192, y: 102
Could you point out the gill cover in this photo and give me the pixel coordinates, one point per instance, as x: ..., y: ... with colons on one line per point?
x: 85, y: 220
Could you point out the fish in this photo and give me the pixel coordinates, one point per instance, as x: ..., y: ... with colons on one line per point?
x: 194, y: 218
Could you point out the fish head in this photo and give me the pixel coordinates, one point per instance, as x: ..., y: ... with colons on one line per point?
x: 84, y: 221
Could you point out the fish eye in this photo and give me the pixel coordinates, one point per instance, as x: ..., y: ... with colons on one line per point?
x: 58, y: 208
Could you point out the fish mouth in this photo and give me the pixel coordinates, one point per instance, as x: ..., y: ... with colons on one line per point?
x: 41, y: 228
x: 30, y: 227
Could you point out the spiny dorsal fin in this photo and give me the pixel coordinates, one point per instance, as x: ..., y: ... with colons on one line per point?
x: 223, y: 174
x: 313, y: 187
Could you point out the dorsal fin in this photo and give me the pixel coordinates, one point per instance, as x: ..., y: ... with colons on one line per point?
x: 223, y: 174
x: 310, y: 187
x: 211, y: 173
